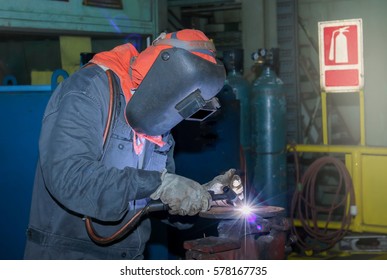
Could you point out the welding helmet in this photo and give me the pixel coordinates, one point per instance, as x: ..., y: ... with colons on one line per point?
x: 181, y: 83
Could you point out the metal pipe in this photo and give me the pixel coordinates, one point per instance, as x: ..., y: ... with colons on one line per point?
x: 25, y: 88
x: 224, y: 7
x: 362, y: 118
x: 340, y: 149
x: 324, y: 117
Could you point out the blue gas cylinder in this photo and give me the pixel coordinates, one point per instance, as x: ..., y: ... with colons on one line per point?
x: 268, y: 119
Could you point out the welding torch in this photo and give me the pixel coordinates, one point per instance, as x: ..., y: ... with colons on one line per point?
x: 231, y: 194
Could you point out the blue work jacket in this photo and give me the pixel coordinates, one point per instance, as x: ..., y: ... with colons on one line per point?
x: 76, y: 177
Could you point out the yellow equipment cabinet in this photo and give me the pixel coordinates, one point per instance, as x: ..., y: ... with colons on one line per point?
x: 367, y: 167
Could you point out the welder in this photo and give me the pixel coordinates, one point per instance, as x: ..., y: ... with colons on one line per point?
x: 106, y: 148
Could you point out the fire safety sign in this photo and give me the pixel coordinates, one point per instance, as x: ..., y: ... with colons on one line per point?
x: 341, y: 55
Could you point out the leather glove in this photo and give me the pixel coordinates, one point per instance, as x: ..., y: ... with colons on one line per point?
x: 218, y: 183
x: 183, y: 196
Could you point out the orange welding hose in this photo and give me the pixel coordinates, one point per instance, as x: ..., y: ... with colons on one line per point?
x: 305, y: 209
x: 89, y: 225
x: 115, y: 236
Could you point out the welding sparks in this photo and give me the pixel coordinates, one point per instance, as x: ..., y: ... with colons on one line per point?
x: 247, y: 212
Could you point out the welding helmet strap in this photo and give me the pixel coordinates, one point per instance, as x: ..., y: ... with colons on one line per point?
x: 206, y: 47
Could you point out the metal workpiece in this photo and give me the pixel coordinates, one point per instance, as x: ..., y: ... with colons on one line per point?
x: 259, y: 234
x: 238, y: 213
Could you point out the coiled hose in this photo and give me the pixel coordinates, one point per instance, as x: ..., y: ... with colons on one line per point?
x: 307, y: 211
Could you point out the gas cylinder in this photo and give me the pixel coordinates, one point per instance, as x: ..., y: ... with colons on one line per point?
x: 240, y: 87
x: 268, y: 120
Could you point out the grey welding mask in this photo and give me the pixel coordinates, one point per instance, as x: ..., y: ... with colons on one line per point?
x: 179, y: 85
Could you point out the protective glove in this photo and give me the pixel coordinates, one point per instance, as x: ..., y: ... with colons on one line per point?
x: 183, y: 196
x: 218, y: 183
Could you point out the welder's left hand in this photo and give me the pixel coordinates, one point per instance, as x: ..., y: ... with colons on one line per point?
x: 217, y: 184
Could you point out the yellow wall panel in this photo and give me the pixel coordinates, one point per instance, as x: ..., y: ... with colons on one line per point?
x: 41, y: 77
x: 71, y: 48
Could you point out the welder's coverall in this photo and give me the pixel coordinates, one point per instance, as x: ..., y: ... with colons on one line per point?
x: 75, y: 179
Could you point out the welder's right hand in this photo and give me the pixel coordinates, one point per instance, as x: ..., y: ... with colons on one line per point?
x: 183, y: 196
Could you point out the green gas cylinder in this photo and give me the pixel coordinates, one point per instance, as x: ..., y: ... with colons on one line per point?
x: 233, y: 61
x: 268, y: 127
